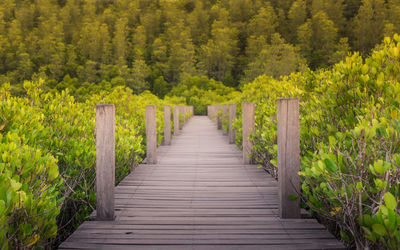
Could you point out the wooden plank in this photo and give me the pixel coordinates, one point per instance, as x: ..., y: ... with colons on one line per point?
x: 288, y: 157
x: 105, y: 161
x: 306, y: 246
x: 199, y: 195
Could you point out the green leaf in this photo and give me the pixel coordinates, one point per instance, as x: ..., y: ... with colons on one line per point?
x: 359, y: 186
x: 379, y: 229
x: 331, y: 165
x: 378, y: 166
x: 2, y: 207
x: 293, y: 197
x: 364, y: 69
x: 15, y: 186
x: 390, y: 201
x: 53, y: 172
x: 345, y: 237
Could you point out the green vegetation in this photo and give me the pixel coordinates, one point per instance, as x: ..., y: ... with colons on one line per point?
x: 154, y: 44
x: 350, y: 144
x: 59, y: 58
x: 201, y: 92
x: 48, y: 156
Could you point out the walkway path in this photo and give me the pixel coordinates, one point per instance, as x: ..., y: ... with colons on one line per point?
x: 199, y: 196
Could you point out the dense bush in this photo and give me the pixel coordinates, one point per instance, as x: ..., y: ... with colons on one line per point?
x: 47, y: 164
x: 350, y: 141
x: 201, y: 92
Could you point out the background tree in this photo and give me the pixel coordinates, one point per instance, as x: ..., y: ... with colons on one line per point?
x: 368, y: 25
x: 276, y: 59
x: 317, y: 39
x: 94, y: 41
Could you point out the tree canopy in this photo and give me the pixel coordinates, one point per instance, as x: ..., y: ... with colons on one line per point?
x: 155, y: 44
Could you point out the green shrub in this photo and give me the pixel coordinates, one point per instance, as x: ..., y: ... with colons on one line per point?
x: 61, y: 132
x: 29, y: 183
x: 350, y: 141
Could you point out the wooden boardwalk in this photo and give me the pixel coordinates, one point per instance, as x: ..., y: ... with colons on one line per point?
x: 199, y: 196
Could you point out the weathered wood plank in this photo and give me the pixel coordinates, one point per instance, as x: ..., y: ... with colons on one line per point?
x: 288, y: 157
x: 105, y: 161
x: 199, y: 195
x: 176, y: 120
x: 167, y: 124
x: 151, y: 134
x: 232, y: 117
x: 248, y: 128
x: 224, y: 118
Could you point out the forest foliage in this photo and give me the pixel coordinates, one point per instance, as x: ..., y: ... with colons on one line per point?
x: 154, y: 44
x: 349, y: 139
x: 59, y: 58
x: 48, y: 156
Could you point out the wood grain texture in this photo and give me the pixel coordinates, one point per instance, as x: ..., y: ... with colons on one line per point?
x: 167, y: 125
x: 232, y: 117
x: 105, y: 161
x: 151, y: 134
x: 182, y: 113
x: 219, y: 116
x: 224, y: 118
x: 288, y: 157
x: 248, y: 128
x: 176, y: 120
x: 200, y: 195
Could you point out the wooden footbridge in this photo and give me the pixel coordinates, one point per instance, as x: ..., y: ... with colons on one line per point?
x: 196, y: 193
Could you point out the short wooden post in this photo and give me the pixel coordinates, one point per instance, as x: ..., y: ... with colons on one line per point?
x: 248, y: 128
x: 176, y: 120
x: 288, y: 157
x: 151, y: 134
x: 214, y: 113
x: 105, y: 161
x: 232, y: 116
x: 219, y: 117
x: 167, y: 125
x: 182, y: 112
x: 223, y: 118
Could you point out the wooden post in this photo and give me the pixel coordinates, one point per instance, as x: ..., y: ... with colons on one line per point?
x: 214, y: 113
x: 151, y: 134
x: 176, y: 120
x: 182, y: 112
x: 167, y: 125
x: 248, y: 128
x: 223, y: 118
x: 105, y: 161
x: 232, y: 116
x: 288, y: 157
x: 219, y: 117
